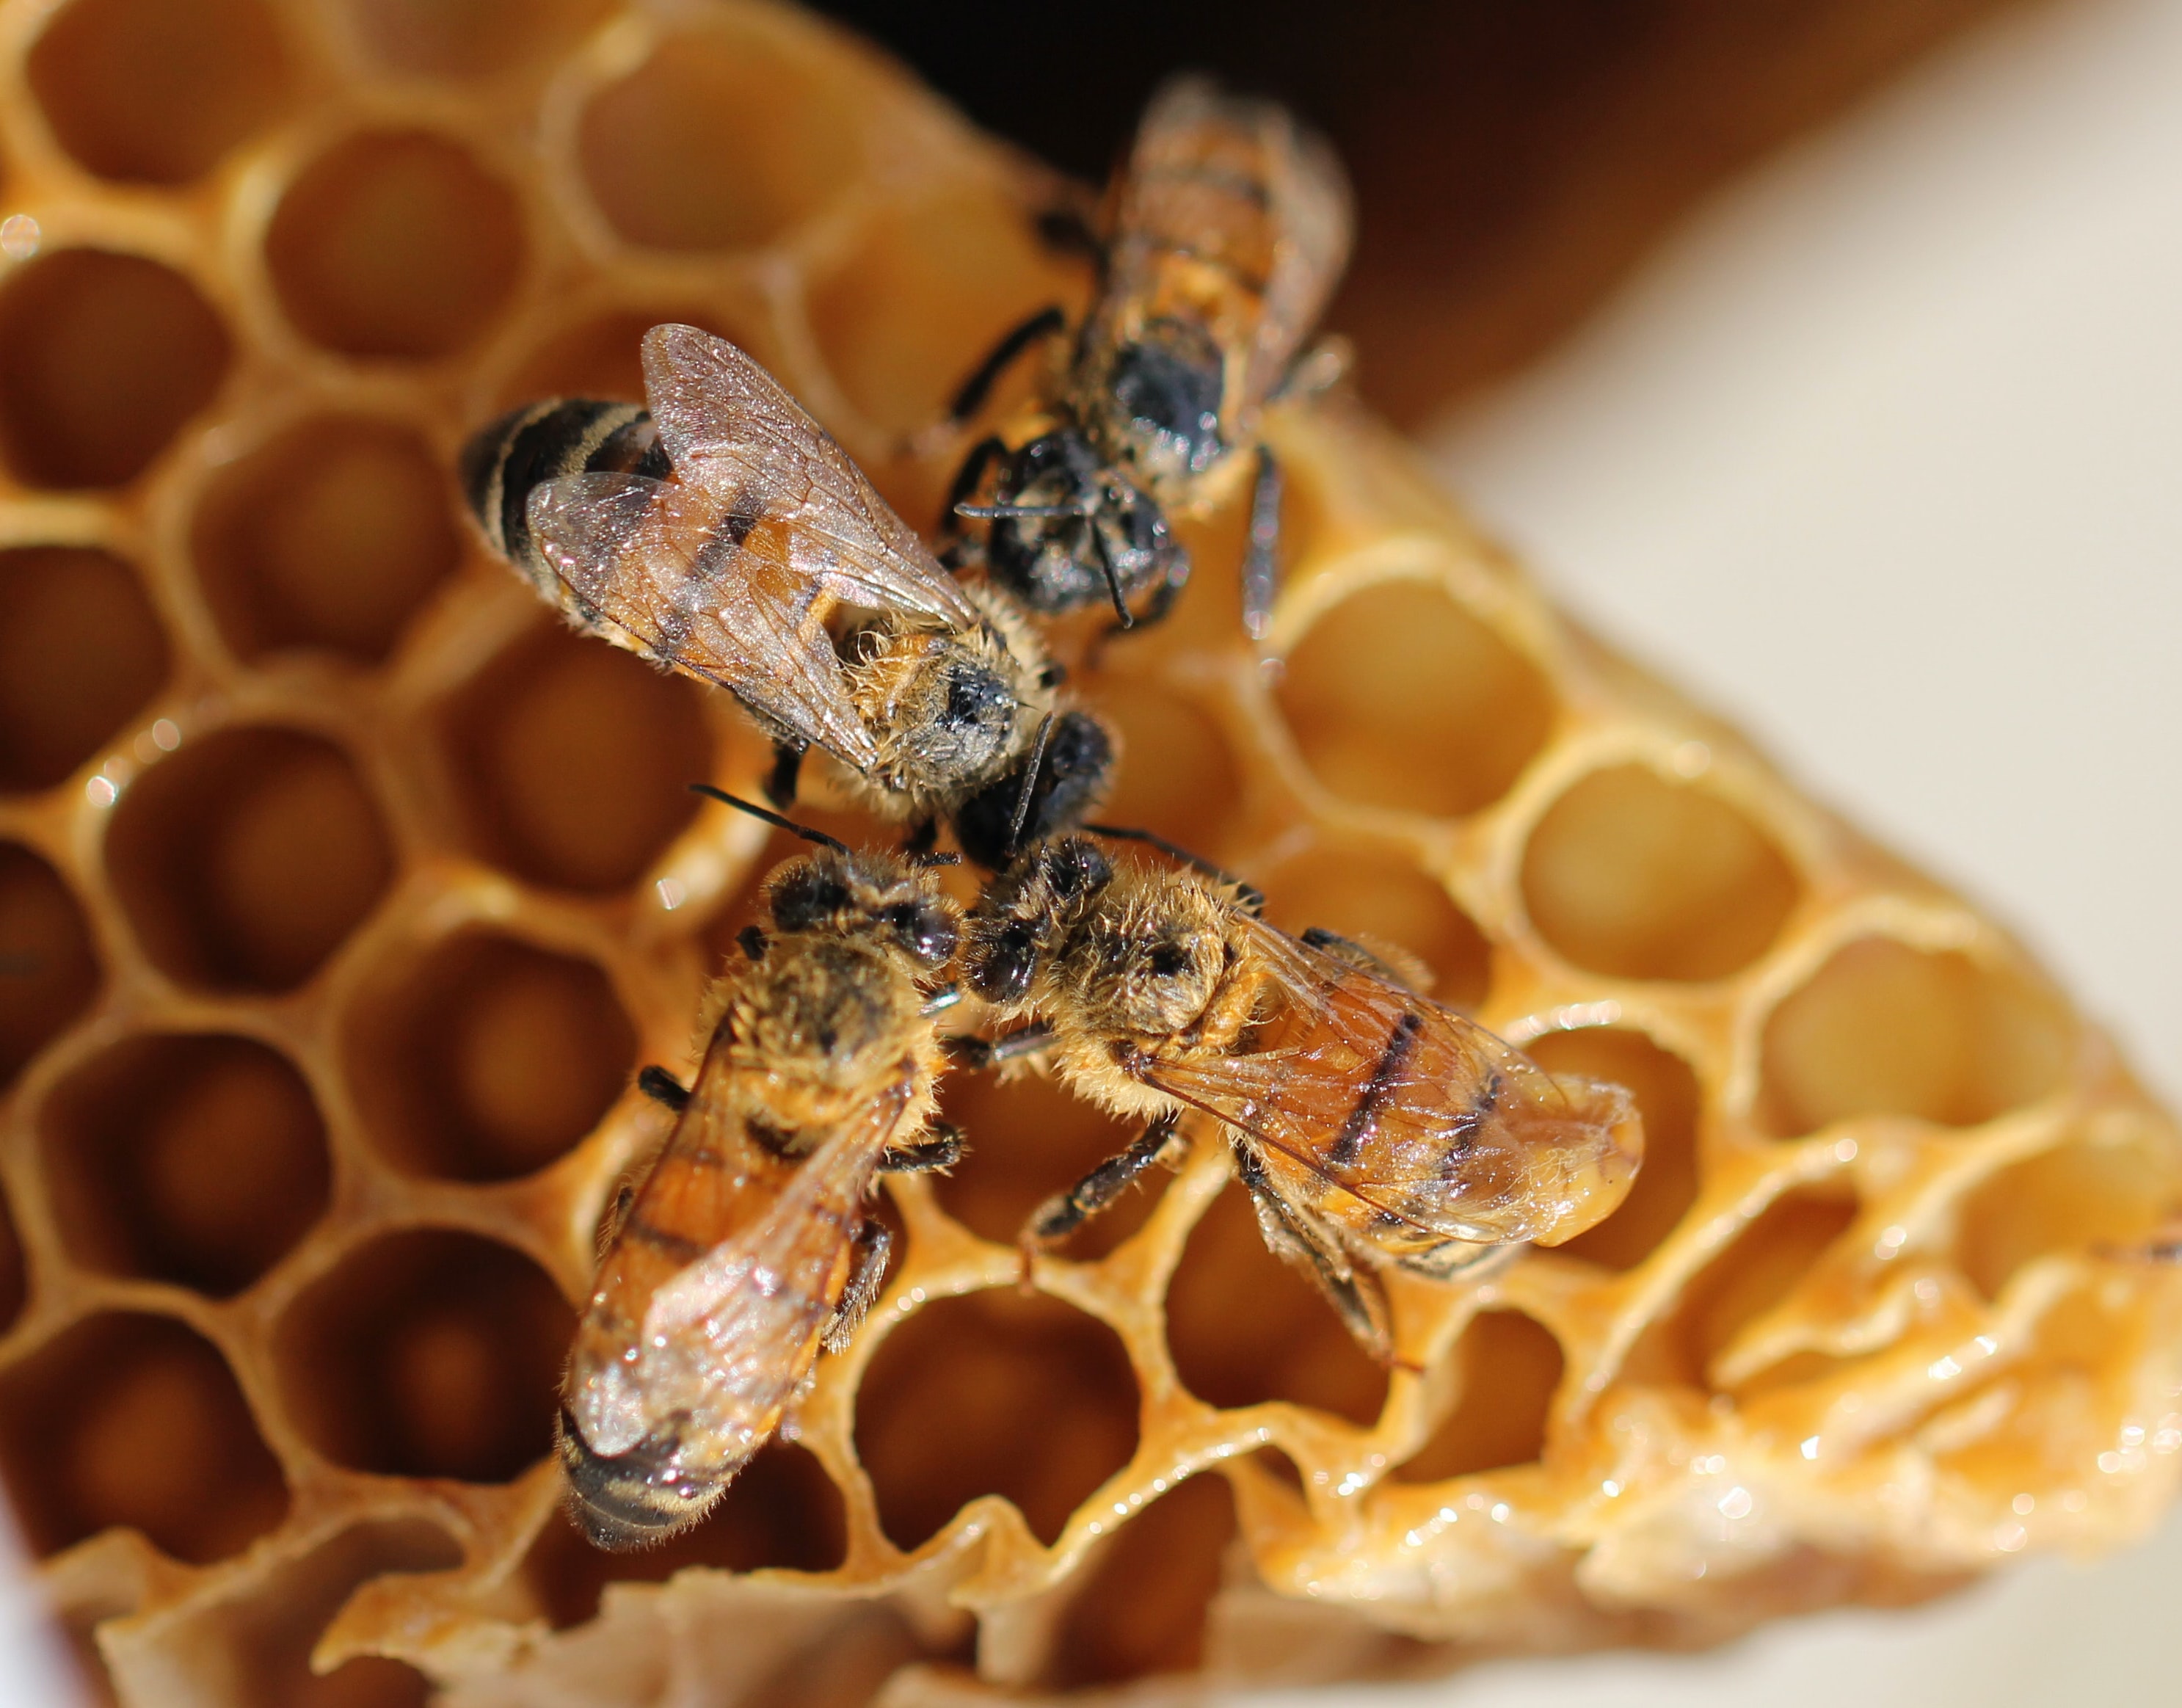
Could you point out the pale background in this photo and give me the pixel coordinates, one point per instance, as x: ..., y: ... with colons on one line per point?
x: 1883, y: 455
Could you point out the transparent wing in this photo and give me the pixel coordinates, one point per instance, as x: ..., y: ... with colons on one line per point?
x: 1416, y: 1110
x: 727, y: 426
x: 674, y: 570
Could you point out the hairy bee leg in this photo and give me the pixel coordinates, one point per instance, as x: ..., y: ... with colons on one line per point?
x: 787, y: 767
x: 1064, y: 1213
x: 977, y: 1054
x: 663, y: 1087
x: 1261, y: 567
x: 1357, y: 1295
x: 942, y: 1150
x: 874, y: 1242
x: 970, y: 397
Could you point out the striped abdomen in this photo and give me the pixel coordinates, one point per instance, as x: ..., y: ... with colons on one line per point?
x: 505, y: 461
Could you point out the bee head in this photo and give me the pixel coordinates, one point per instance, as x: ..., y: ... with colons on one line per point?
x: 1025, y: 910
x: 1072, y: 778
x: 870, y: 896
x: 1088, y: 518
x: 1165, y: 388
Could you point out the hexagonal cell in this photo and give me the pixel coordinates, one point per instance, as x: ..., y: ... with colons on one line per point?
x: 1630, y: 874
x: 134, y: 1419
x: 14, y: 1277
x: 602, y: 357
x: 1883, y: 1029
x: 156, y: 91
x: 781, y: 1513
x: 487, y: 1059
x: 473, y: 39
x: 428, y: 1353
x: 993, y: 1394
x: 330, y: 536
x: 194, y: 1158
x: 1398, y: 697
x: 1375, y: 897
x: 720, y: 140
x: 1029, y: 1139
x: 908, y: 315
x: 1511, y: 1366
x: 1668, y: 1095
x: 248, y: 858
x: 1178, y: 774
x: 395, y: 243
x: 102, y: 357
x: 1142, y: 1610
x: 254, y: 1650
x: 1740, y: 1285
x: 48, y: 972
x: 575, y: 761
x: 81, y: 649
x: 1243, y: 1327
x: 2106, y: 1196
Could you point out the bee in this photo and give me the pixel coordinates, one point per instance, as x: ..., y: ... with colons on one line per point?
x: 745, y: 1249
x: 1369, y: 1125
x: 724, y: 534
x: 1231, y: 226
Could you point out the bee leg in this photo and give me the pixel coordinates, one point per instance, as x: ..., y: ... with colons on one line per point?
x: 750, y: 939
x: 874, y: 1242
x: 662, y: 1087
x: 968, y: 478
x: 979, y: 1053
x: 1356, y: 1294
x: 1064, y: 1213
x: 787, y: 766
x: 941, y: 1151
x: 1261, y: 567
x: 970, y: 397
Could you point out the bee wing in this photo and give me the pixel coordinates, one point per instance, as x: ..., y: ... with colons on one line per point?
x: 1416, y: 1110
x: 1240, y: 181
x: 728, y: 426
x: 735, y: 1327
x: 661, y: 563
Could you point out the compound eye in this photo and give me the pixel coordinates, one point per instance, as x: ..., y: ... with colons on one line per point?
x: 805, y: 900
x: 975, y: 698
x: 1000, y: 967
x: 927, y: 933
x: 1076, y: 867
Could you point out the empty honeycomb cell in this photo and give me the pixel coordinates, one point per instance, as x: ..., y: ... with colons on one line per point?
x: 1630, y: 875
x: 14, y: 1277
x: 331, y: 536
x: 1883, y: 1029
x: 1178, y: 774
x: 102, y: 357
x: 195, y: 1158
x: 603, y: 356
x: 255, y: 1652
x: 157, y: 92
x: 575, y: 761
x: 489, y: 1058
x: 781, y: 1513
x: 1670, y: 1100
x: 993, y: 1394
x: 81, y: 651
x: 908, y: 315
x: 1244, y: 1327
x: 719, y: 140
x: 1377, y: 897
x: 1142, y: 1610
x: 135, y: 1420
x: 395, y: 243
x: 1398, y: 697
x: 2110, y: 1196
x: 1511, y: 1366
x: 468, y: 38
x: 1029, y: 1139
x: 428, y: 1353
x: 1754, y: 1274
x: 48, y: 970
x: 248, y: 858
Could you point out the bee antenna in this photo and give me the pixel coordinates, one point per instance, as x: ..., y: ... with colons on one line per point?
x: 925, y: 859
x: 1033, y: 512
x: 1251, y: 896
x: 771, y: 817
x: 1029, y: 787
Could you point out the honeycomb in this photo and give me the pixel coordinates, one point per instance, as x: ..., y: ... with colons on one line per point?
x: 341, y: 891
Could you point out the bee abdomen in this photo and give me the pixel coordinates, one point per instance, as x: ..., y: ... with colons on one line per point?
x: 505, y: 461
x: 627, y: 1500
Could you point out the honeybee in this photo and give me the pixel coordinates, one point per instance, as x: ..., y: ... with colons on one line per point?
x: 1369, y: 1125
x: 1231, y: 225
x: 724, y: 534
x: 745, y: 1249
